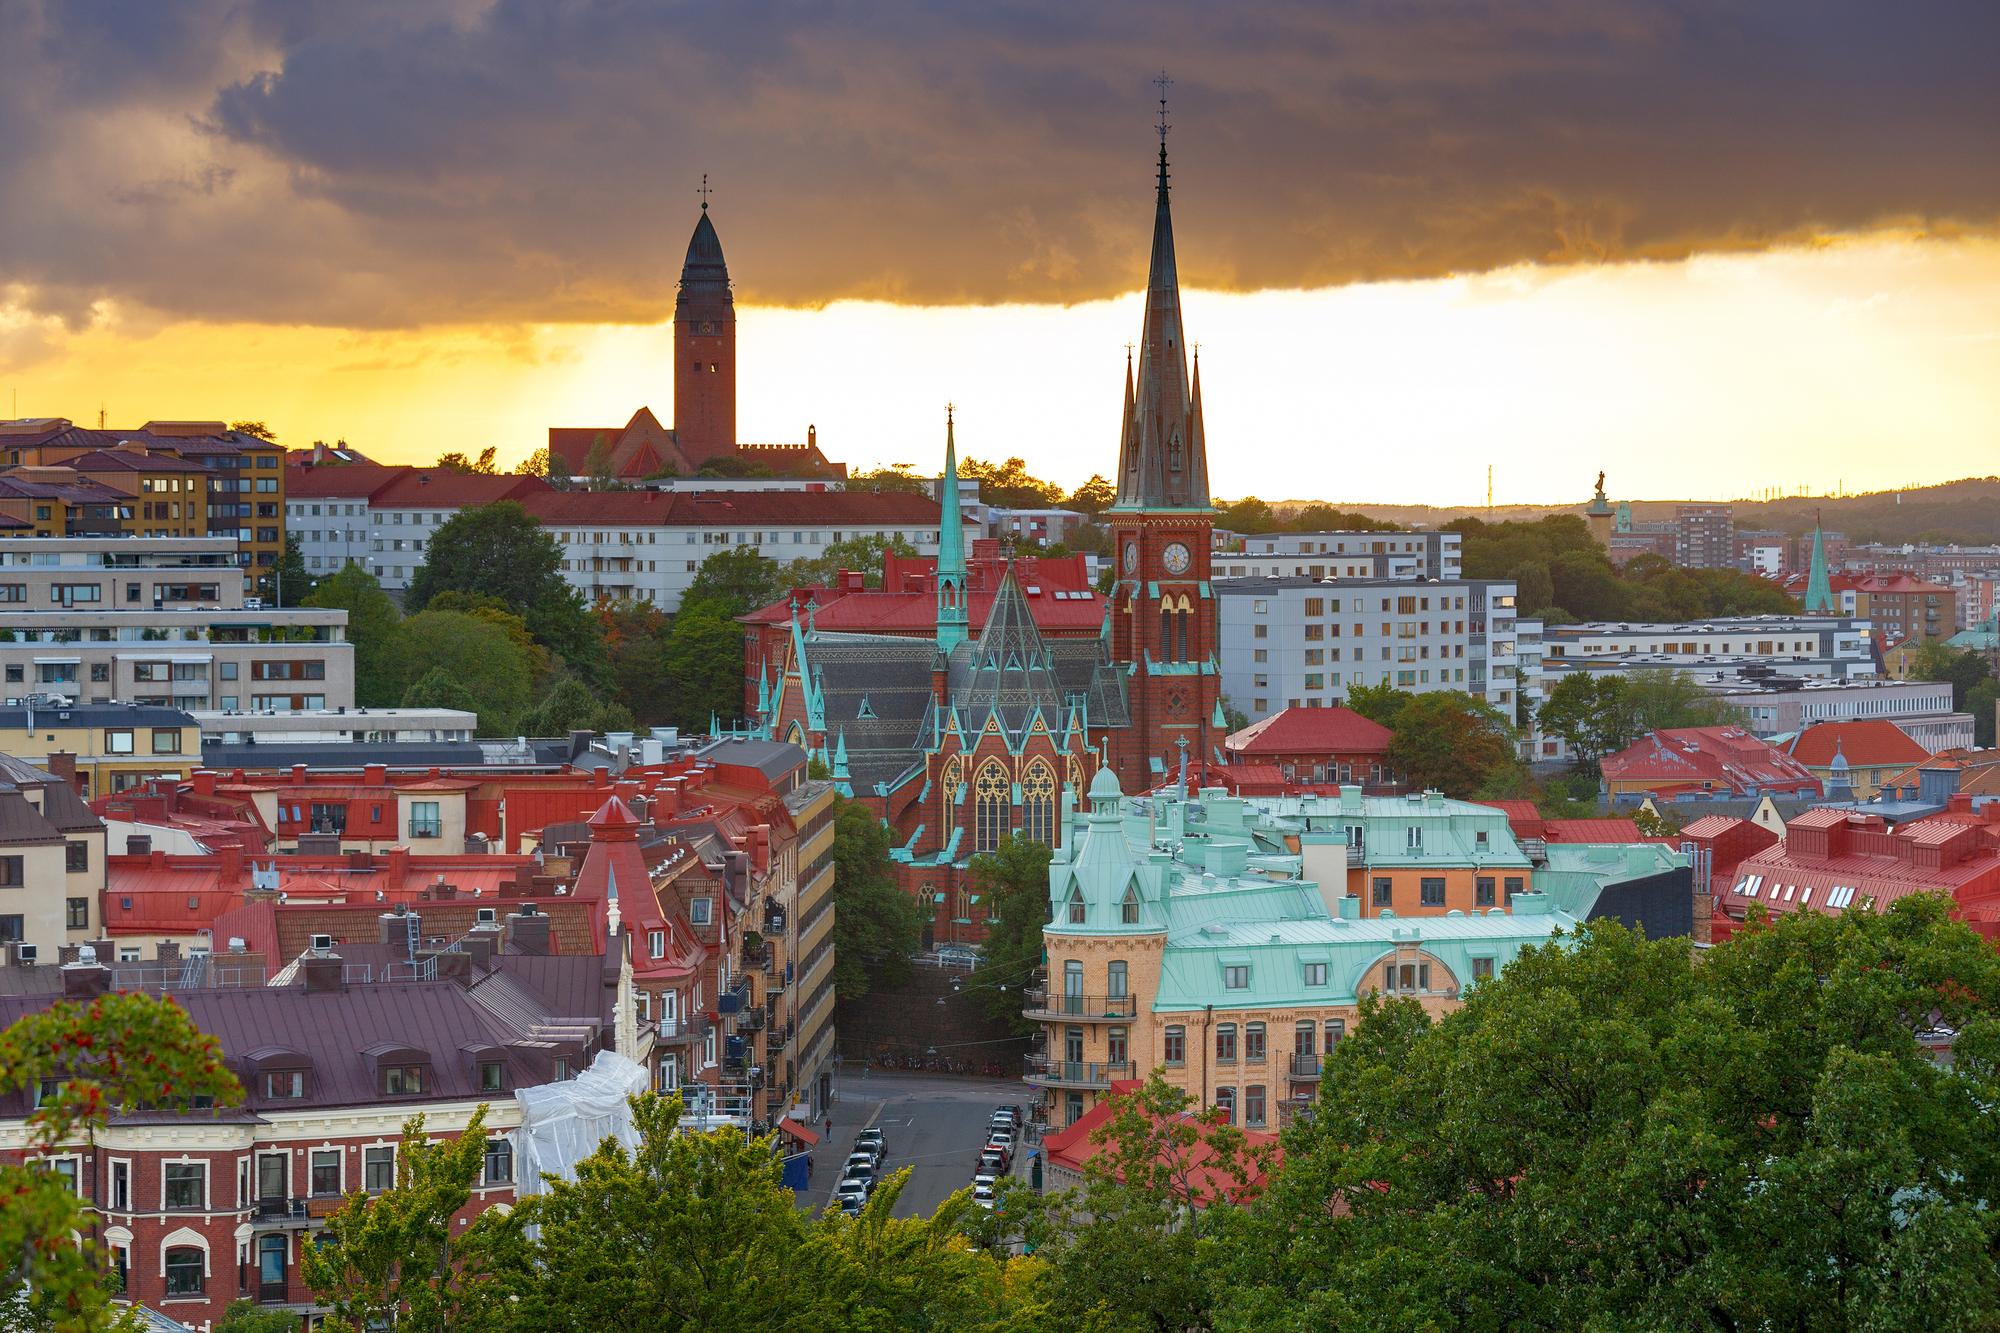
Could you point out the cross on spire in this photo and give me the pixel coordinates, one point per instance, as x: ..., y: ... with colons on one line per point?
x: 1163, y: 83
x: 704, y: 192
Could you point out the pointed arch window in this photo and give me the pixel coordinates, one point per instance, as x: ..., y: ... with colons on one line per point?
x: 1038, y: 803
x: 1128, y: 907
x: 1166, y: 632
x: 951, y: 779
x: 991, y: 794
x: 1074, y: 910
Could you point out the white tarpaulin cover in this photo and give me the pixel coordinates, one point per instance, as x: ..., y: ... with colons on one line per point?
x: 563, y: 1123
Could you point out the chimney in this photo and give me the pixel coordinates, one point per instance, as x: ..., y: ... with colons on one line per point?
x: 138, y: 844
x: 204, y: 781
x: 167, y: 951
x: 85, y: 978
x: 374, y: 775
x: 322, y: 972
x: 479, y: 945
x: 398, y: 867
x: 62, y: 764
x: 231, y: 869
x: 528, y: 931
x: 454, y: 967
x: 298, y: 775
x: 396, y: 927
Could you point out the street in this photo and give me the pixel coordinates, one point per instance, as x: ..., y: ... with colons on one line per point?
x: 934, y: 1125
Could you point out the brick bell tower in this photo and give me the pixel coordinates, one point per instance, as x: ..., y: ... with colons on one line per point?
x: 704, y: 348
x: 1163, y: 623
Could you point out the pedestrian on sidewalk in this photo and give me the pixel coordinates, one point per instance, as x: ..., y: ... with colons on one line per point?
x: 829, y: 1126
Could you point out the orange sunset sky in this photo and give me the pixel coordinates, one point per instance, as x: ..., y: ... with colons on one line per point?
x: 1709, y: 248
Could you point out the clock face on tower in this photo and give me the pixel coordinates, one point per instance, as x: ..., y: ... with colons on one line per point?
x: 1131, y: 557
x: 1175, y: 558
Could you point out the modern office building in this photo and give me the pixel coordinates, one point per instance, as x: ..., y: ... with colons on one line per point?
x: 1301, y: 642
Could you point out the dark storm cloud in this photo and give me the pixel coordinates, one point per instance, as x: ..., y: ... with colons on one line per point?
x: 400, y: 163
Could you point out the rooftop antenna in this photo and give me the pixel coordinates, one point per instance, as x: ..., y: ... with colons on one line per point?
x: 704, y: 192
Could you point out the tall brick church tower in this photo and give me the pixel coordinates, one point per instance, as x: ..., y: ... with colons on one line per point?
x: 704, y: 349
x: 1162, y: 611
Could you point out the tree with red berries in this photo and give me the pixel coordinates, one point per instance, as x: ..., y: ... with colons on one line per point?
x: 79, y: 1061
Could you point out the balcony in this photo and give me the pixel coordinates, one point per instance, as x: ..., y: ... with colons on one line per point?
x: 750, y: 1020
x: 734, y: 999
x: 295, y: 1213
x: 1306, y: 1068
x: 1042, y: 1072
x: 677, y: 1030
x: 1043, y: 1007
x: 775, y: 1040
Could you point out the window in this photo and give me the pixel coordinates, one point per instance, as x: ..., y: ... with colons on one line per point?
x: 1225, y: 1102
x: 271, y: 1265
x: 1173, y: 1046
x: 118, y: 742
x: 184, y: 1185
x: 1430, y: 892
x: 76, y: 914
x: 1253, y: 1105
x: 76, y: 857
x: 1416, y: 837
x: 1336, y: 1028
x: 492, y: 1075
x: 1315, y: 974
x: 991, y: 794
x: 1515, y: 884
x: 1074, y: 910
x: 379, y: 1169
x: 1128, y: 907
x: 1384, y: 893
x: 1482, y: 968
x: 1115, y: 979
x: 1038, y: 804
x: 66, y: 1170
x: 166, y: 740
x: 499, y: 1162
x: 656, y: 944
x: 185, y: 1265
x: 1253, y: 1043
x: 121, y: 1186
x: 424, y: 821
x: 13, y: 870
x: 402, y: 1080
x: 326, y: 1171
x: 283, y: 1084
x: 1225, y: 1043
x: 1236, y: 976
x: 1482, y: 891
x: 701, y: 910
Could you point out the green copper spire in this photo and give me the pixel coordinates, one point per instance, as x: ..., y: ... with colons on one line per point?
x: 951, y: 598
x: 1819, y: 590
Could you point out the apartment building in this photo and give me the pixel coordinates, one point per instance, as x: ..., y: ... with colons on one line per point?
x: 1705, y: 536
x: 51, y: 862
x: 1222, y: 940
x: 340, y: 727
x: 1342, y: 555
x: 1828, y: 647
x: 1300, y: 642
x: 179, y: 478
x: 1775, y: 706
x: 100, y: 747
x: 335, y: 1050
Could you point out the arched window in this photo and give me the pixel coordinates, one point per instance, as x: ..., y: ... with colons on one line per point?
x: 1128, y: 908
x: 950, y: 778
x: 990, y: 790
x: 1038, y: 803
x: 1166, y: 632
x: 1114, y: 979
x: 1181, y: 649
x: 1076, y: 909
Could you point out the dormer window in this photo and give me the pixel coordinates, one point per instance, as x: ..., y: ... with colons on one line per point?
x: 1128, y: 908
x: 284, y: 1084
x: 400, y: 1071
x: 402, y: 1080
x: 278, y: 1072
x: 492, y: 1075
x: 1076, y: 908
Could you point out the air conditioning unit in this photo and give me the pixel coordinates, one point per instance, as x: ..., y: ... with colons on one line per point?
x: 488, y: 916
x: 322, y: 944
x: 27, y: 953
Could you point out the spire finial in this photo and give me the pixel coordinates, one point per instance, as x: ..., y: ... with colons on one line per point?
x: 1163, y: 83
x: 704, y: 192
x: 949, y: 409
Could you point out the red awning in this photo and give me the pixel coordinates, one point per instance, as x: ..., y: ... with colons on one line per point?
x: 798, y: 1131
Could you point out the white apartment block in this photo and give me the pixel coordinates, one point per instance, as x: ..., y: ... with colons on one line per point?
x: 1303, y: 642
x: 1828, y: 647
x: 1342, y: 555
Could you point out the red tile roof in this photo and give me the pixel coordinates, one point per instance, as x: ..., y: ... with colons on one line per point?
x: 345, y: 481
x: 125, y: 460
x: 438, y: 488
x: 1311, y: 731
x: 1865, y: 744
x: 1709, y: 758
x: 1591, y: 830
x: 1071, y: 1149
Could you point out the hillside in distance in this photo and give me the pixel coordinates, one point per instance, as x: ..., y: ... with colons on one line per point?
x: 1964, y: 512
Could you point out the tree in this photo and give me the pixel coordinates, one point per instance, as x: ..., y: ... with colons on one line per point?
x: 1013, y: 884
x: 246, y: 1316
x: 1233, y: 718
x: 704, y: 663
x: 256, y: 430
x: 570, y: 705
x: 372, y: 619
x: 1093, y: 497
x: 458, y: 462
x: 1937, y: 660
x: 1448, y: 741
x: 737, y: 580
x: 472, y: 651
x: 1667, y: 698
x: 876, y: 925
x: 288, y: 584
x: 895, y: 478
x: 597, y: 465
x: 501, y: 551
x: 1246, y: 515
x: 437, y: 688
x: 1982, y: 701
x: 729, y: 465
x: 118, y: 1050
x: 856, y: 553
x: 1588, y: 712
x: 1613, y: 1133
x: 392, y: 1258
x: 1380, y: 704
x: 635, y: 656
x: 1009, y: 484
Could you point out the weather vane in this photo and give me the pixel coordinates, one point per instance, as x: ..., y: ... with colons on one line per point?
x: 704, y: 192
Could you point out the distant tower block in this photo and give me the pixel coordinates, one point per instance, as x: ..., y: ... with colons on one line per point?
x: 1598, y: 514
x: 704, y: 348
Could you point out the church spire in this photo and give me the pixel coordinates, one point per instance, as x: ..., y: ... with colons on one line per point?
x: 1162, y: 461
x: 1819, y: 588
x: 951, y: 597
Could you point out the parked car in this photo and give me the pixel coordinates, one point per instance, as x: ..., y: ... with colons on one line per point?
x: 992, y: 1163
x: 983, y: 1195
x: 851, y: 1196
x: 872, y: 1141
x: 864, y: 1161
x: 986, y: 1178
x: 1003, y: 1149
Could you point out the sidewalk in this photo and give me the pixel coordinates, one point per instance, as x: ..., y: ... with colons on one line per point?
x: 829, y: 1156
